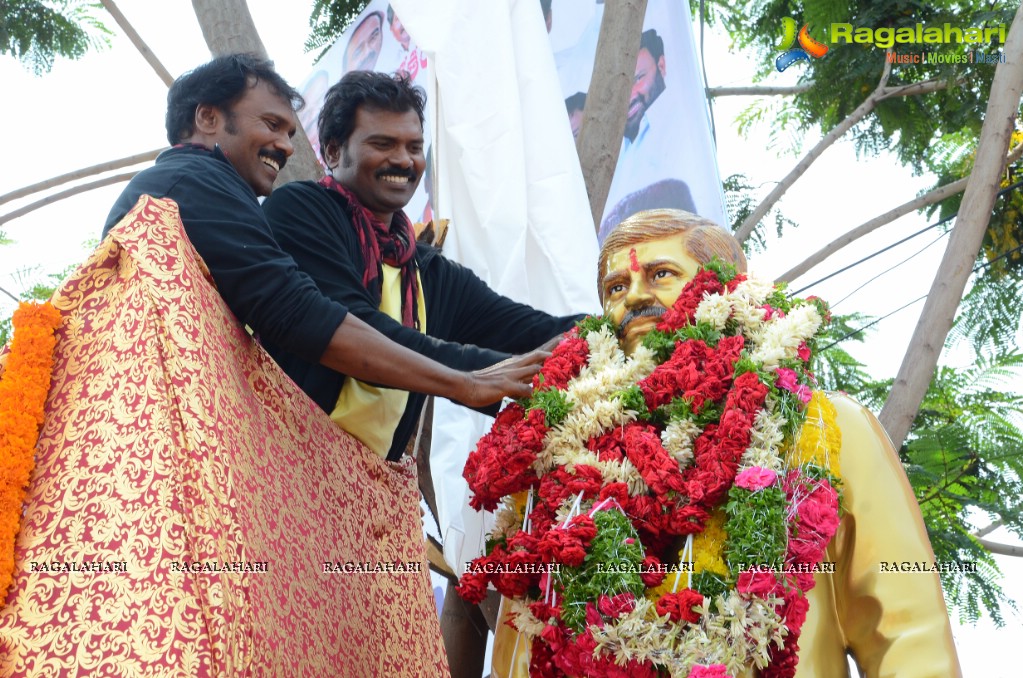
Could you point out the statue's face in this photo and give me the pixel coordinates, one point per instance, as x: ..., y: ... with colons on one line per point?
x: 641, y: 282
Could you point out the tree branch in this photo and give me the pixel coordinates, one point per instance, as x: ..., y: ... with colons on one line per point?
x: 984, y: 531
x: 946, y: 292
x: 934, y: 196
x: 744, y: 230
x: 80, y: 174
x: 82, y: 188
x: 913, y: 89
x: 753, y: 90
x: 1002, y: 549
x: 139, y: 43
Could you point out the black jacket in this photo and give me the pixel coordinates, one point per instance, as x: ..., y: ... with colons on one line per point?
x: 468, y: 325
x: 260, y: 283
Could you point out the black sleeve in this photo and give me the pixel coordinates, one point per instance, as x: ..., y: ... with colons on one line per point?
x: 312, y: 227
x: 260, y: 283
x: 476, y: 314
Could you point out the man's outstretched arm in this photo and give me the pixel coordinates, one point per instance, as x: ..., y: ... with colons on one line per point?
x: 358, y: 350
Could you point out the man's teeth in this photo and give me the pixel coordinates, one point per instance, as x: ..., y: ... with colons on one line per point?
x: 271, y: 163
x: 393, y: 179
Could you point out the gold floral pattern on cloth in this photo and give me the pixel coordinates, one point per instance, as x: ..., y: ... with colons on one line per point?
x: 172, y: 440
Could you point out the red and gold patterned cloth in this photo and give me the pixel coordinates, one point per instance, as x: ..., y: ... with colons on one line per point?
x: 172, y: 441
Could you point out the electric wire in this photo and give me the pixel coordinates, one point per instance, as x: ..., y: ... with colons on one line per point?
x: 976, y: 269
x: 896, y: 244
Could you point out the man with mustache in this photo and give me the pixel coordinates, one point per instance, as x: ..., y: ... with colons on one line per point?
x: 648, y: 82
x: 349, y: 233
x: 230, y: 122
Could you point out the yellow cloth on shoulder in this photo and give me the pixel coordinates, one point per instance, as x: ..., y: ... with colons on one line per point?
x: 371, y: 413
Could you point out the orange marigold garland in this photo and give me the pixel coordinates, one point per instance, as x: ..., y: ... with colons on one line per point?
x: 23, y: 390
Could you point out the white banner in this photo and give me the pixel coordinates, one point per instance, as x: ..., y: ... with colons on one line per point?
x: 667, y: 157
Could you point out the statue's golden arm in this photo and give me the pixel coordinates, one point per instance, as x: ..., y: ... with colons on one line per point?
x: 894, y: 623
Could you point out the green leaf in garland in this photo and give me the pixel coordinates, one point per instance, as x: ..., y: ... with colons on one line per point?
x: 594, y: 323
x: 725, y: 271
x: 632, y: 399
x: 661, y: 343
x: 554, y: 404
x: 701, y: 331
x: 611, y: 567
x: 756, y: 527
x: 710, y: 584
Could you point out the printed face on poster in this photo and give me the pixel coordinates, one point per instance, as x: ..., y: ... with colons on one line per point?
x: 667, y: 157
x: 377, y: 41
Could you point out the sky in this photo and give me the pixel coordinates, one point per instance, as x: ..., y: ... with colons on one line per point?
x: 111, y: 104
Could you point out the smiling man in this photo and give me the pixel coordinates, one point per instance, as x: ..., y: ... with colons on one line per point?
x: 349, y: 233
x: 230, y: 122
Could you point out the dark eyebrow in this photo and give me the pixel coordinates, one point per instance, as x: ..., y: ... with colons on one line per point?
x: 613, y: 277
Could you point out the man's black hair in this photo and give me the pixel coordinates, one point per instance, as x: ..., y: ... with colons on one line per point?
x: 545, y: 5
x: 576, y: 102
x: 221, y: 83
x: 652, y: 43
x: 369, y: 89
x: 390, y: 15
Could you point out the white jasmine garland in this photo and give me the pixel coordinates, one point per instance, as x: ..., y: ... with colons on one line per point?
x: 678, y: 437
x: 715, y: 309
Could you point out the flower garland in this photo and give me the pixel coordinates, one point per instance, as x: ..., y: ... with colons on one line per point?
x: 707, y: 448
x: 24, y: 386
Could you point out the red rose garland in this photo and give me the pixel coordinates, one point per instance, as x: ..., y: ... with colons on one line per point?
x: 677, y: 503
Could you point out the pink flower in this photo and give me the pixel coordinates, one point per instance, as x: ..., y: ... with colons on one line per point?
x: 772, y: 312
x: 711, y: 671
x: 787, y: 379
x: 756, y: 478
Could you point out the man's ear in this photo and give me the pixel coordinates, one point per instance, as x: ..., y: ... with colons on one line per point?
x: 660, y: 65
x: 207, y: 117
x: 332, y: 154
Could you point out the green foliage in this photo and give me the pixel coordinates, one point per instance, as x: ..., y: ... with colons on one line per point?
x: 841, y: 80
x: 965, y: 458
x: 554, y: 404
x: 329, y: 19
x: 833, y: 366
x: 35, y: 33
x: 611, y: 567
x: 756, y: 527
x: 741, y: 198
x: 594, y: 323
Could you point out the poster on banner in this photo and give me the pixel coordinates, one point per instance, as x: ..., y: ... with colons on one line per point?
x: 375, y: 41
x: 667, y: 157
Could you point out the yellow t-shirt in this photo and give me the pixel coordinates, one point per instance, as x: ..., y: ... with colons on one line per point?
x: 371, y: 413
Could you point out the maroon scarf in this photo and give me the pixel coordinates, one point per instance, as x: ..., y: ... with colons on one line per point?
x: 394, y: 246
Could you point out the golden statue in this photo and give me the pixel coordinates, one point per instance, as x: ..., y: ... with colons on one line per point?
x: 891, y: 623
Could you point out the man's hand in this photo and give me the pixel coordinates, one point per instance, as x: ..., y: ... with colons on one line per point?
x: 361, y: 352
x: 509, y: 378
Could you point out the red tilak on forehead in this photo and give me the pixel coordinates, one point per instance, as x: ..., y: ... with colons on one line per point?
x: 633, y: 260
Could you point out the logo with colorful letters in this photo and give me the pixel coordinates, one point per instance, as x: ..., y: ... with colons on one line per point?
x: 808, y: 47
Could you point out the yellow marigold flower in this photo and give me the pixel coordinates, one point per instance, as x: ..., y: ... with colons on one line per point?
x: 23, y: 389
x: 820, y: 439
x: 709, y: 545
x: 708, y: 552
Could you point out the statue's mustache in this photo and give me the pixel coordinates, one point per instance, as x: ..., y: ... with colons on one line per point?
x: 652, y: 311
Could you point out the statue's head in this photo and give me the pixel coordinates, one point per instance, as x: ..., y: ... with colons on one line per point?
x: 646, y: 261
